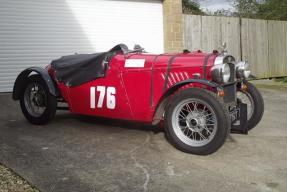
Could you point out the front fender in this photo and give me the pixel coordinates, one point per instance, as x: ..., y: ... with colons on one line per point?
x: 164, y: 101
x: 22, y: 79
x: 188, y: 81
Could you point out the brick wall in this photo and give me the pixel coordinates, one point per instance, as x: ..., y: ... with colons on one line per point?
x: 172, y: 23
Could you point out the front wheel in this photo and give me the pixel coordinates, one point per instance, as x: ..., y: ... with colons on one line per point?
x: 37, y: 104
x: 255, y: 104
x: 197, y: 121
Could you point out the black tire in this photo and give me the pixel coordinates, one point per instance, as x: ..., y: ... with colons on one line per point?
x: 50, y: 102
x: 220, y: 111
x: 258, y: 103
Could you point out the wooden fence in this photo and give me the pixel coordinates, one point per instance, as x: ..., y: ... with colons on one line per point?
x: 262, y: 43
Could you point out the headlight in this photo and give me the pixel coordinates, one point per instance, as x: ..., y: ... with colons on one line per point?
x: 220, y: 73
x: 242, y: 70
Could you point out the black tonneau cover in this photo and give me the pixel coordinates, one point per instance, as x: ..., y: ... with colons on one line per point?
x: 74, y: 70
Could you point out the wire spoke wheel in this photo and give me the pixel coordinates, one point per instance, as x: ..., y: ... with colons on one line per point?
x: 37, y: 104
x: 197, y: 121
x: 194, y: 122
x: 255, y: 105
x: 35, y: 99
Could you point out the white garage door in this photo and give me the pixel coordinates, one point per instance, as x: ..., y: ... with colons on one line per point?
x: 33, y: 32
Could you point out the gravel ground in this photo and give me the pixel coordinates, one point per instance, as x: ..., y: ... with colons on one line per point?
x: 10, y: 182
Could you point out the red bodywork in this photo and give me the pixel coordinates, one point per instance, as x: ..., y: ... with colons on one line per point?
x: 138, y: 90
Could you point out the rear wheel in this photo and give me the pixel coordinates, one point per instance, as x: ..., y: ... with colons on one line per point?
x: 197, y: 121
x: 37, y: 104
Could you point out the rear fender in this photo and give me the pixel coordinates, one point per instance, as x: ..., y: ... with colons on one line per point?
x: 163, y: 102
x: 22, y: 79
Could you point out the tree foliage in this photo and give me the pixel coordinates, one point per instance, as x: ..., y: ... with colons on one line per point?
x: 191, y: 7
x: 246, y: 8
x: 262, y: 9
x: 257, y: 9
x: 273, y: 9
x: 223, y: 12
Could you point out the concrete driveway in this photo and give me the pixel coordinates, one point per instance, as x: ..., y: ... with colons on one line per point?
x: 76, y: 153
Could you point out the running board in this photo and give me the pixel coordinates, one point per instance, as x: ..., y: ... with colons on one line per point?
x: 62, y: 108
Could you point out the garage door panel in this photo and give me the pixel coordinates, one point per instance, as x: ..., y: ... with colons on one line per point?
x: 33, y: 32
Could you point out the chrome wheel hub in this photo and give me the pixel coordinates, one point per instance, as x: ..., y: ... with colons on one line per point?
x: 195, y: 121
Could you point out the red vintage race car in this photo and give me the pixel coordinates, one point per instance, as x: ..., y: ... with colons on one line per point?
x: 200, y: 97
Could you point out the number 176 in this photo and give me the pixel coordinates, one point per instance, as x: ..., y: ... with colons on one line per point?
x: 110, y: 97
